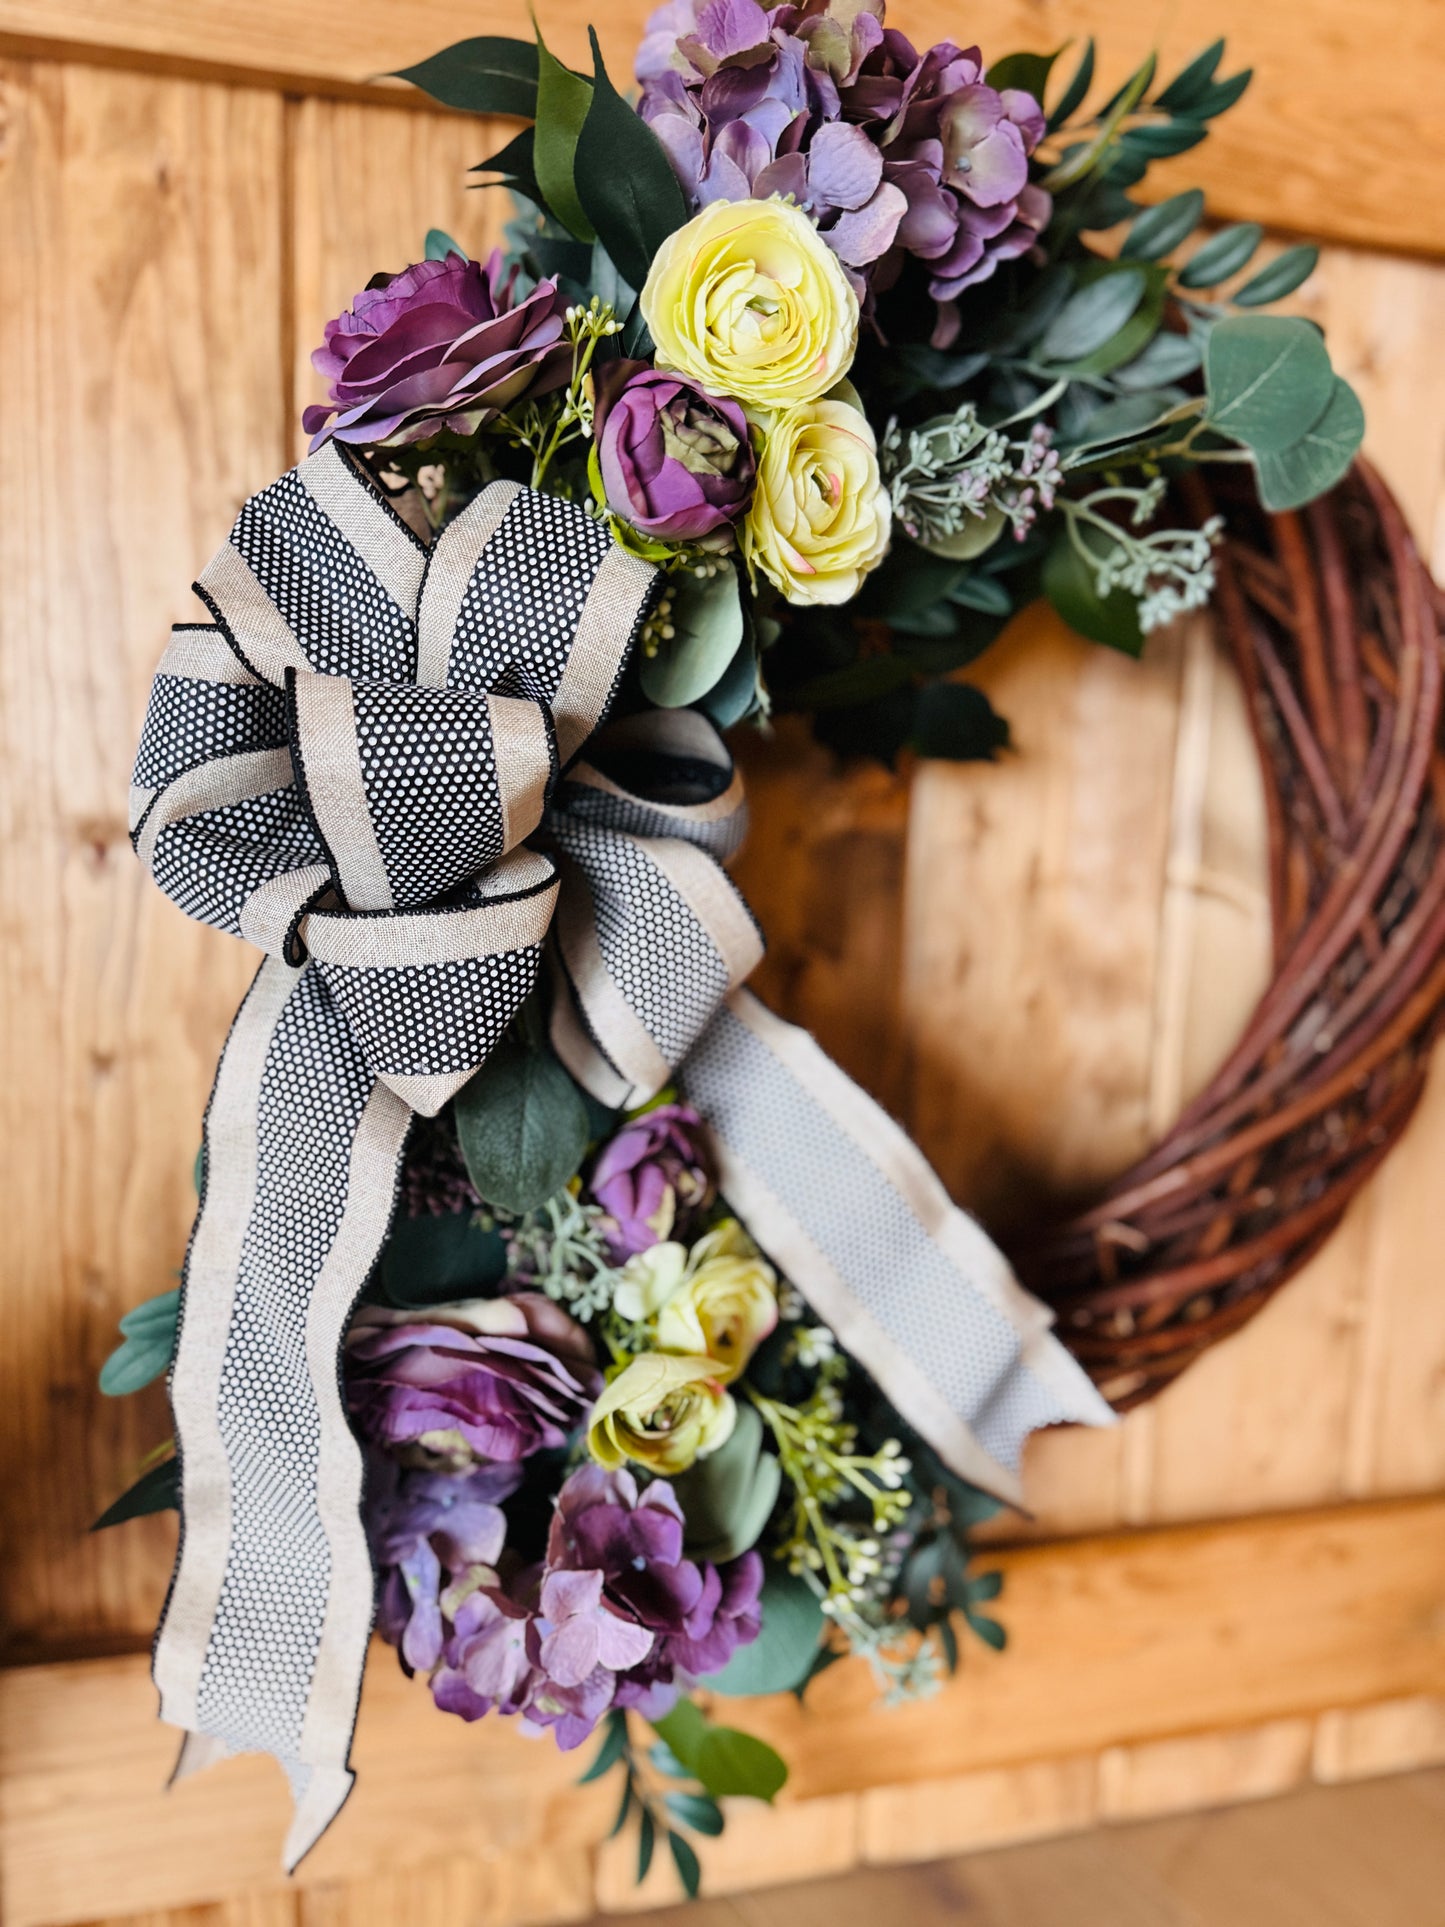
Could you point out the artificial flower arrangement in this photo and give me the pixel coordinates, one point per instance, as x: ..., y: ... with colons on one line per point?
x: 817, y: 332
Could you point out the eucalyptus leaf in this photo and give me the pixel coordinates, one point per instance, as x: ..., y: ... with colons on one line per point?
x: 1070, y: 588
x: 1268, y: 378
x: 1160, y: 229
x: 148, y: 1339
x: 157, y: 1490
x: 1284, y: 274
x: 707, y: 615
x: 439, y: 244
x: 1293, y: 476
x: 1222, y: 255
x: 955, y: 722
x: 522, y: 1127
x: 1167, y: 358
x: 728, y: 1497
x: 487, y: 75
x: 437, y: 1260
x: 624, y: 178
x: 979, y: 532
x: 736, y: 693
x: 782, y: 1654
x: 1136, y: 333
x: 563, y: 99
x: 1093, y: 316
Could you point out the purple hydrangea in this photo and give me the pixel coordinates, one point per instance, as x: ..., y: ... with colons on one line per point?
x: 428, y: 1530
x: 615, y: 1615
x: 651, y: 1178
x: 675, y: 463
x: 893, y: 152
x: 442, y: 345
x: 492, y: 1379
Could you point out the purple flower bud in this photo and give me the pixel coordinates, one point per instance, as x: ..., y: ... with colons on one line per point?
x: 676, y: 463
x: 442, y: 345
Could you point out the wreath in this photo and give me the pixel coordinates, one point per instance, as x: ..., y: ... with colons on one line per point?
x: 549, y: 1298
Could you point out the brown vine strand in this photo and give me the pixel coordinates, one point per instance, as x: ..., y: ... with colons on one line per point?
x: 1336, y: 630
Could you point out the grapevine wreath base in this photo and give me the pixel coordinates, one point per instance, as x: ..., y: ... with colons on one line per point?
x: 1335, y: 627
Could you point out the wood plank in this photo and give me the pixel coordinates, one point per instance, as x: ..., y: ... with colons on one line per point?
x: 1279, y: 157
x: 142, y: 402
x: 1122, y: 1641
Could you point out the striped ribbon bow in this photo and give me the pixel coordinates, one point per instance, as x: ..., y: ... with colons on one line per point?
x: 369, y: 765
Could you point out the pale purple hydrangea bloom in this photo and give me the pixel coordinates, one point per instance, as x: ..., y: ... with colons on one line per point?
x: 894, y: 153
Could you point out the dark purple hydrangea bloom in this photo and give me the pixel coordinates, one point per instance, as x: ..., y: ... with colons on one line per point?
x: 493, y: 1379
x: 442, y: 345
x: 651, y: 1178
x: 892, y: 152
x: 675, y: 463
x: 428, y: 1530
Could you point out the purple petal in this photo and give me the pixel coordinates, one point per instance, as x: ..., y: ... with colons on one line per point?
x: 844, y: 167
x: 860, y: 237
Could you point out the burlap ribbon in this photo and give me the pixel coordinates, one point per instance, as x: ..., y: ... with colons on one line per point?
x: 368, y: 765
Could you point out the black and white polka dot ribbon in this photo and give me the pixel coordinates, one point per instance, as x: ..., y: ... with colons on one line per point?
x: 369, y: 764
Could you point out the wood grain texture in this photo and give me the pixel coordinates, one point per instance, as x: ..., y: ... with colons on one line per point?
x: 1125, y: 1642
x: 1279, y: 157
x: 141, y: 403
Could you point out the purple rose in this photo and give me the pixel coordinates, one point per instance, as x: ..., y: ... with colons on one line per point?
x: 493, y: 1379
x: 676, y: 463
x: 427, y: 1530
x: 442, y: 345
x: 651, y: 1178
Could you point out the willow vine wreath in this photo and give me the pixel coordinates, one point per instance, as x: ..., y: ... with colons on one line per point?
x: 1334, y: 624
x: 550, y: 1301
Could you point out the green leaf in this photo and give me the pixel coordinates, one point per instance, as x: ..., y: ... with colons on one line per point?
x: 1219, y: 98
x: 516, y: 163
x: 1268, y: 379
x: 437, y: 1260
x: 1187, y: 87
x: 686, y: 1862
x: 857, y: 682
x: 1069, y: 585
x: 979, y: 532
x: 439, y: 244
x: 522, y: 1127
x: 1293, y: 476
x: 1073, y: 95
x: 1166, y: 358
x: 1284, y: 274
x: 1222, y: 255
x: 734, y: 1763
x: 646, y: 1840
x: 783, y: 1652
x: 1030, y: 72
x: 1133, y: 90
x: 696, y: 1810
x: 707, y: 614
x: 957, y: 723
x: 614, y: 1743
x: 988, y: 1585
x: 735, y: 694
x: 728, y: 1497
x: 563, y: 99
x: 988, y: 1630
x: 1159, y: 230
x: 1093, y: 316
x: 948, y: 1639
x: 489, y: 75
x: 624, y: 179
x: 1158, y: 142
x: 624, y: 1808
x: 683, y: 1729
x: 158, y: 1490
x: 1137, y: 332
x: 148, y: 1340
x: 984, y: 593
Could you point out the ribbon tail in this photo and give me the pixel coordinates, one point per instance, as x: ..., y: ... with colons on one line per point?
x: 263, y: 1641
x: 847, y: 1206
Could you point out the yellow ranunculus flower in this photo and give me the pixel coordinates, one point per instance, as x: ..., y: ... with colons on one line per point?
x: 663, y: 1413
x: 725, y: 1304
x: 749, y: 300
x: 820, y: 516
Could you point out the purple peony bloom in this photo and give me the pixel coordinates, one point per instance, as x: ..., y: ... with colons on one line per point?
x: 442, y: 345
x: 893, y: 153
x: 427, y: 1530
x: 651, y: 1177
x: 493, y: 1379
x: 675, y: 463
